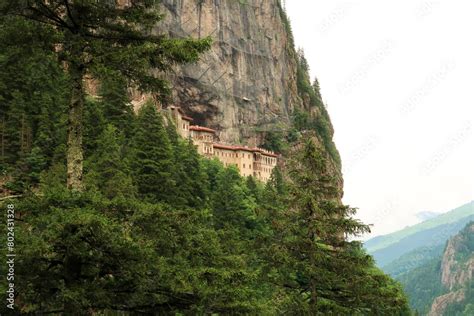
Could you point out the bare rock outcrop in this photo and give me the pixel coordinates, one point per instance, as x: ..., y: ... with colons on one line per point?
x: 246, y: 84
x: 456, y: 271
x: 441, y: 302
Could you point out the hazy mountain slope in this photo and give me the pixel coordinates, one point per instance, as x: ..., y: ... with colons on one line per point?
x: 452, y: 217
x: 424, y: 239
x: 423, y: 284
x: 413, y: 259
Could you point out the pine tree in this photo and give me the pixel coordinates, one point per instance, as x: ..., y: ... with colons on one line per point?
x: 195, y: 186
x: 75, y: 257
x: 152, y: 161
x: 231, y: 203
x: 192, y: 272
x: 96, y: 37
x: 94, y: 125
x: 189, y: 176
x: 255, y: 189
x: 109, y: 168
x: 32, y: 97
x: 317, y: 218
x: 240, y: 231
x: 116, y: 106
x: 322, y: 271
x: 212, y: 168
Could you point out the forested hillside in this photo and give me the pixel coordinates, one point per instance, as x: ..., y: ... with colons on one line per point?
x: 445, y: 285
x: 414, y: 246
x: 115, y: 213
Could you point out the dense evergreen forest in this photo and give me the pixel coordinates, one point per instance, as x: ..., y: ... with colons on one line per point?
x: 116, y: 213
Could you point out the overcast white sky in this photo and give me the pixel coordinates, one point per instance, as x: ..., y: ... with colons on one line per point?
x: 397, y: 77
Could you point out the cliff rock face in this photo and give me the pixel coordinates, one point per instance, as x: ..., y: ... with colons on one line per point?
x: 457, y: 270
x: 246, y: 84
x: 453, y: 273
x: 441, y: 302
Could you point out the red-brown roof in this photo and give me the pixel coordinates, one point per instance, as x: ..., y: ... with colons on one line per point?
x: 201, y: 129
x: 235, y: 148
x: 187, y: 118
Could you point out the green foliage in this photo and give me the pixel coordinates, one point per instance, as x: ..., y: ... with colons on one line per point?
x: 465, y: 249
x: 302, y: 121
x: 464, y: 307
x: 413, y: 260
x: 255, y: 189
x: 152, y: 157
x: 109, y: 170
x: 275, y: 141
x: 32, y: 96
x: 115, y: 102
x: 317, y: 117
x: 110, y: 40
x: 190, y: 271
x: 319, y: 270
x: 231, y: 202
x: 243, y: 248
x: 303, y: 82
x: 158, y: 229
x: 94, y: 124
x: 423, y: 284
x: 227, y: 245
x: 287, y: 24
x: 101, y: 39
x: 188, y: 172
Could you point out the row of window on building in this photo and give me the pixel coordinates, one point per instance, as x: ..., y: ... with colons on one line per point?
x: 203, y: 137
x: 230, y: 154
x: 266, y: 160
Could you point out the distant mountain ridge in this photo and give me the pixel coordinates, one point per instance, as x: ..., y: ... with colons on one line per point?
x: 431, y: 269
x: 457, y: 215
x: 412, y: 260
x: 424, y: 216
x: 420, y: 242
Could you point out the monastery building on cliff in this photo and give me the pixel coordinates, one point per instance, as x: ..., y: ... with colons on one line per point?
x: 254, y: 161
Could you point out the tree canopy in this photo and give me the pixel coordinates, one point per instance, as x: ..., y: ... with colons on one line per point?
x: 152, y: 227
x: 96, y: 39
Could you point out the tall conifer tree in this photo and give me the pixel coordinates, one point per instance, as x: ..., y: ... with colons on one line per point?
x: 109, y: 168
x: 152, y: 161
x: 95, y: 37
x: 322, y: 268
